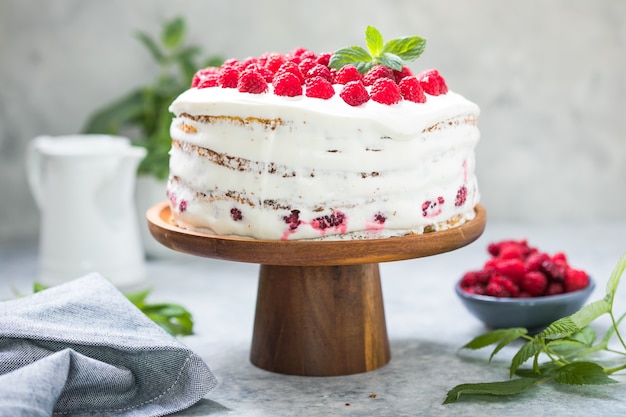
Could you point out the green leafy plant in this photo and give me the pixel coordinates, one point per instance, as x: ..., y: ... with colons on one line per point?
x: 566, y: 344
x: 173, y: 318
x: 142, y: 114
x: 394, y: 54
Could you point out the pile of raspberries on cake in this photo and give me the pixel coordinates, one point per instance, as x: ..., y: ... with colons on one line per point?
x: 516, y: 269
x: 302, y: 72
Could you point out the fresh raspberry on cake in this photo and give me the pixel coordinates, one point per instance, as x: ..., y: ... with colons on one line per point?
x: 306, y: 64
x: 318, y: 87
x: 232, y: 63
x: 324, y: 58
x: 346, y: 74
x: 299, y: 51
x: 251, y: 81
x: 246, y: 63
x: 266, y: 73
x: 292, y: 68
x: 412, y: 90
x: 433, y: 83
x: 210, y: 80
x: 320, y: 71
x: 203, y: 74
x: 403, y: 73
x: 300, y: 54
x: 378, y: 71
x: 273, y: 61
x: 229, y: 77
x: 287, y: 84
x: 354, y: 93
x: 385, y: 91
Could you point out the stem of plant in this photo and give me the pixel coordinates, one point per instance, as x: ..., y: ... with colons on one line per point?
x: 610, y: 371
x: 619, y: 336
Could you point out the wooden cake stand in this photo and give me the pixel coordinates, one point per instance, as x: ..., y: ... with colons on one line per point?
x: 319, y: 307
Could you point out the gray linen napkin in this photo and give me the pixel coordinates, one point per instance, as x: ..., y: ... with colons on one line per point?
x: 83, y: 349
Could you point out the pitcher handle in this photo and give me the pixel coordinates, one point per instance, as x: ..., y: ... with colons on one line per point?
x: 34, y: 169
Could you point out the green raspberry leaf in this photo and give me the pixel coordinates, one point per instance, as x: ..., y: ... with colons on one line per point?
x: 495, y: 336
x: 590, y: 312
x: 501, y: 388
x: 582, y: 373
x: 611, y: 285
x: 374, y: 40
x: 408, y: 49
x: 559, y: 329
x: 530, y: 349
x: 541, y: 371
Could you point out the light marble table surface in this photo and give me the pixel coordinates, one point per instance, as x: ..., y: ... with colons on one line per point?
x: 426, y: 324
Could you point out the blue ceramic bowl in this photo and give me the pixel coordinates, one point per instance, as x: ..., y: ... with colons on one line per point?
x: 534, y: 314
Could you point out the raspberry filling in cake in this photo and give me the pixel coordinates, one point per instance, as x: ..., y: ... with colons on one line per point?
x: 310, y: 146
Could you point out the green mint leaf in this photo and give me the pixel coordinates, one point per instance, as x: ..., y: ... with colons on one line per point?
x: 494, y: 336
x: 501, y: 388
x: 394, y: 54
x: 354, y: 55
x: 408, y: 49
x: 391, y: 60
x: 530, y: 349
x: 37, y: 287
x: 374, y: 41
x: 582, y: 373
x: 173, y: 32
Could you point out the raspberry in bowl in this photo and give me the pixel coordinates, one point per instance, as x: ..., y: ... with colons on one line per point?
x: 521, y: 286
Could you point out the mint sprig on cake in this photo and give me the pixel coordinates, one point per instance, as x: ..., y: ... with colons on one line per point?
x: 394, y: 54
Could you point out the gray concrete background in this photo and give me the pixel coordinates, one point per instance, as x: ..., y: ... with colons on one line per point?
x: 549, y: 76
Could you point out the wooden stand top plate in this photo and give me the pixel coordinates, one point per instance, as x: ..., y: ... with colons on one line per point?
x: 311, y: 252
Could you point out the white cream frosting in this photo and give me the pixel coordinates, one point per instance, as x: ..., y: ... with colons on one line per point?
x: 322, y: 158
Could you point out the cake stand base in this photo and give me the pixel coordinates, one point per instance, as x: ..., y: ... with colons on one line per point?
x: 319, y: 308
x: 320, y: 320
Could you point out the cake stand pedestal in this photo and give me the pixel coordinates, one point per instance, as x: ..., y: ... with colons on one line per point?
x: 319, y: 307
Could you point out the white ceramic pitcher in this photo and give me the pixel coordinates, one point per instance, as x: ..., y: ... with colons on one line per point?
x: 83, y: 185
